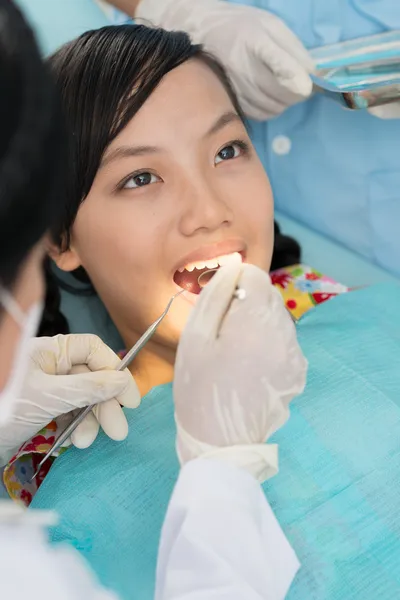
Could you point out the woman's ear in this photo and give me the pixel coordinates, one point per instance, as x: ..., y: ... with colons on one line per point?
x: 67, y: 260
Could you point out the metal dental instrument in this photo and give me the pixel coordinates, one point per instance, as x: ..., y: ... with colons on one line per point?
x: 361, y: 73
x: 363, y: 97
x: 125, y: 362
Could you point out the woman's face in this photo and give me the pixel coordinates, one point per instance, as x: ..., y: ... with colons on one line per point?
x: 181, y: 184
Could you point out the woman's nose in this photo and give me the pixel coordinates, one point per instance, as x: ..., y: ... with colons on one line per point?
x: 204, y: 209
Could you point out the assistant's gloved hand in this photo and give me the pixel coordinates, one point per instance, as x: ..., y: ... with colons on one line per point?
x: 50, y: 391
x: 267, y: 63
x: 238, y: 367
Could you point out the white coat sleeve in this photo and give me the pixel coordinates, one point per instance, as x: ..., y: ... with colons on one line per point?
x: 221, y: 539
x: 31, y: 568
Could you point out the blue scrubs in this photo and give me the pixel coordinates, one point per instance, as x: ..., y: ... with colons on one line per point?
x: 335, y: 170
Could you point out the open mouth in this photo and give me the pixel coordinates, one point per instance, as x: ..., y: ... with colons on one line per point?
x: 194, y: 276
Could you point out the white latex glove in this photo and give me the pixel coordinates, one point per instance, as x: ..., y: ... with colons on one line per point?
x: 267, y: 63
x: 50, y: 391
x: 238, y: 367
x: 386, y: 111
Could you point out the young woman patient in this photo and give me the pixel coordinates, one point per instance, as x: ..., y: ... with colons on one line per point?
x: 164, y: 180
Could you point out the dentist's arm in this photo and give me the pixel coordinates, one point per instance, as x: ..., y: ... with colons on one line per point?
x: 222, y: 534
x: 386, y: 111
x: 51, y: 392
x: 238, y: 367
x: 127, y: 6
x: 267, y: 63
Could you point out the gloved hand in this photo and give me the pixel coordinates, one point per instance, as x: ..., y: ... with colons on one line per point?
x: 238, y: 367
x: 386, y: 111
x: 267, y: 63
x: 50, y: 391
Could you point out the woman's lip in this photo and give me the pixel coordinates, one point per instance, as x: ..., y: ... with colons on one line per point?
x: 211, y: 251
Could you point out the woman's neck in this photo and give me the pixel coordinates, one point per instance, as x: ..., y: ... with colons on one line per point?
x: 153, y: 367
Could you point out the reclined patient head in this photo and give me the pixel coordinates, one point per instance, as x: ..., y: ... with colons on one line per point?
x: 163, y: 178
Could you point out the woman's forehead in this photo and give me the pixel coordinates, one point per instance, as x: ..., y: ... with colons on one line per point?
x: 190, y: 98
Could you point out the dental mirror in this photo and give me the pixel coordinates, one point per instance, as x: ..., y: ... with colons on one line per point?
x: 205, y: 277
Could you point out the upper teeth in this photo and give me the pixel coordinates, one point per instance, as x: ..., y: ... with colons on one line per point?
x: 214, y: 263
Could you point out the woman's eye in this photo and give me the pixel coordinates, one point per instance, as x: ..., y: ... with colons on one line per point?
x: 231, y: 151
x: 140, y: 180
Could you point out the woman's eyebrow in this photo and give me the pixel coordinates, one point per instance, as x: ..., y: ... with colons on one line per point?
x: 222, y: 121
x: 128, y: 151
